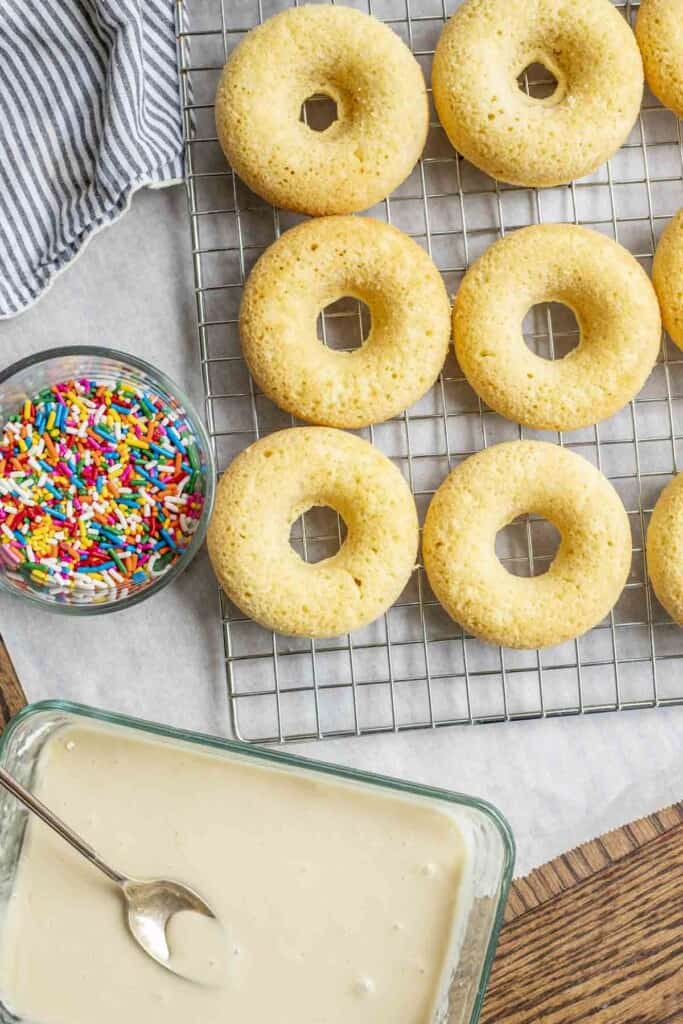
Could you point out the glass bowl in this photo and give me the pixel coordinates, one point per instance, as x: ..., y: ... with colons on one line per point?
x: 25, y: 379
x: 479, y: 912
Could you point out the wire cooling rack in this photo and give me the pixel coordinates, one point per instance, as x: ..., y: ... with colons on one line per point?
x: 414, y: 668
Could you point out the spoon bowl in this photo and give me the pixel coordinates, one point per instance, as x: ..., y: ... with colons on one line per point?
x: 150, y: 906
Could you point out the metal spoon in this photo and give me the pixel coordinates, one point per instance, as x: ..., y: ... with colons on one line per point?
x: 149, y: 903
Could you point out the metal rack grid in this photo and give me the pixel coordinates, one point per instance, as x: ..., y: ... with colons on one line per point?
x: 414, y: 668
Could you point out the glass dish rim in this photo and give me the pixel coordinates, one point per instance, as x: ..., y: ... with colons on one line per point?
x: 268, y: 755
x: 170, y: 387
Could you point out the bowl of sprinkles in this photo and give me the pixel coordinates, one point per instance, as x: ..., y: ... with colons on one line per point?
x: 106, y: 479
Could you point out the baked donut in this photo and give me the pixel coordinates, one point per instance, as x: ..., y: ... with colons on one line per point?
x: 264, y: 491
x: 489, y: 490
x: 664, y: 549
x: 613, y: 301
x: 667, y: 276
x: 659, y: 31
x: 590, y: 50
x: 377, y: 86
x: 310, y: 266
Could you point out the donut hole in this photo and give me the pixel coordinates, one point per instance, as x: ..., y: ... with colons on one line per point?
x: 318, y: 112
x: 551, y: 330
x: 344, y: 324
x: 527, y: 545
x: 317, y: 534
x: 537, y: 81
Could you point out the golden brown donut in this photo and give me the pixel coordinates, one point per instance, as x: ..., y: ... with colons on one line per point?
x: 267, y: 487
x: 588, y: 47
x: 381, y: 99
x: 309, y: 267
x: 489, y: 490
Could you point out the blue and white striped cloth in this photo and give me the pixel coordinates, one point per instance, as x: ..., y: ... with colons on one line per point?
x: 89, y: 113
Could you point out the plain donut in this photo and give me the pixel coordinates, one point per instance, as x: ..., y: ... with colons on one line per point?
x: 613, y: 301
x: 667, y: 277
x: 382, y: 110
x: 489, y: 490
x: 267, y: 487
x: 316, y: 263
x: 664, y: 549
x: 590, y: 50
x: 659, y: 31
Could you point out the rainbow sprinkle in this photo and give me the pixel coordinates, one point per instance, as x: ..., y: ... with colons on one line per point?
x: 101, y: 489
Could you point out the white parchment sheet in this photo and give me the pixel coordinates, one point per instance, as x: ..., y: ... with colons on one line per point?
x: 559, y: 781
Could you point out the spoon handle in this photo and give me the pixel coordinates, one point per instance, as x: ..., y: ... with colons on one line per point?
x: 36, y: 807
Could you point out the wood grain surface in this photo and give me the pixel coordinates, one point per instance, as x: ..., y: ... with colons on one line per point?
x: 596, y: 936
x: 12, y: 697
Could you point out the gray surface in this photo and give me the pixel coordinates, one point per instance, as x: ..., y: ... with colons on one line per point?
x: 559, y: 782
x: 131, y: 289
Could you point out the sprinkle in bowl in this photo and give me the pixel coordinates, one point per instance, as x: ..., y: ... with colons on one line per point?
x: 107, y: 479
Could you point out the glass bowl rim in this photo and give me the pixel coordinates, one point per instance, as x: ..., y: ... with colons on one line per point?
x: 168, y: 386
x: 327, y: 768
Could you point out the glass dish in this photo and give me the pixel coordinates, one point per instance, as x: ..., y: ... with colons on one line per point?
x: 25, y: 379
x: 492, y: 845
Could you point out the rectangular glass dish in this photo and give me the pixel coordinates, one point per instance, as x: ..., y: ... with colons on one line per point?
x: 490, y: 844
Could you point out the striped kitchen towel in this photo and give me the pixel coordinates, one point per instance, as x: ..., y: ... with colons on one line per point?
x: 89, y: 113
